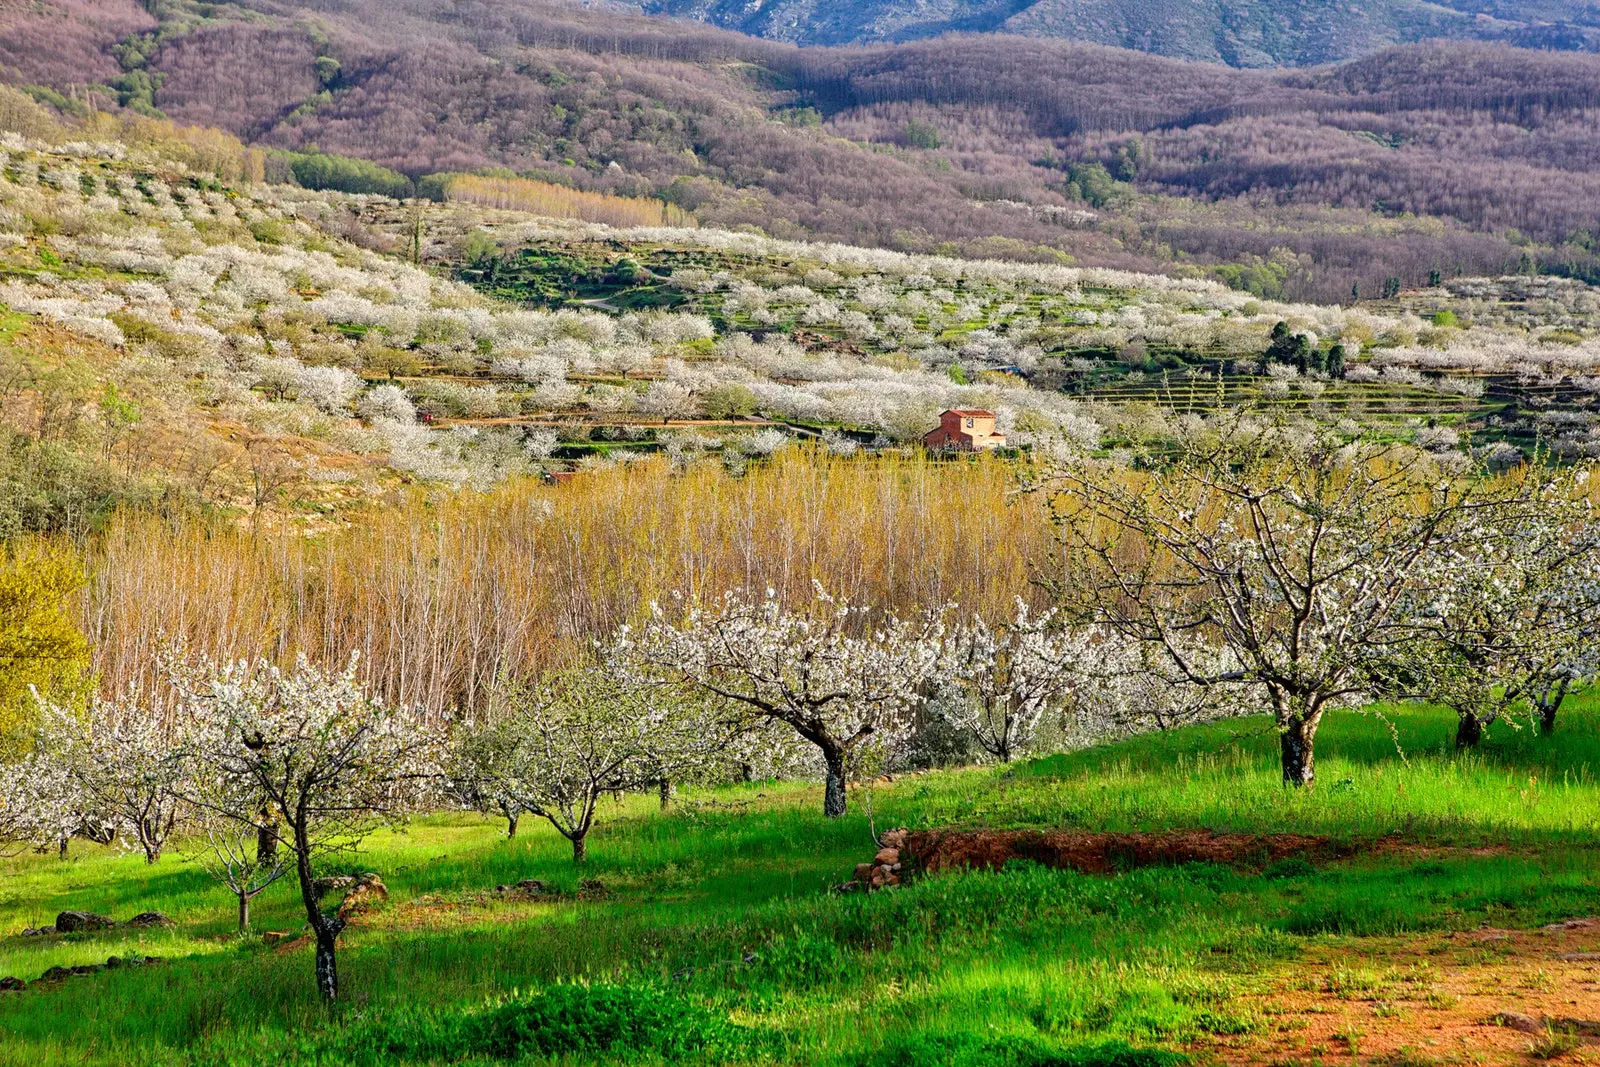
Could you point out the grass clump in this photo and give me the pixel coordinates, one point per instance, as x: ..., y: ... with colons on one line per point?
x: 969, y: 1050
x: 618, y: 1022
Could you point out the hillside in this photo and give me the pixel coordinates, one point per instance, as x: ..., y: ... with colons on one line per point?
x: 272, y: 352
x: 1239, y: 33
x: 708, y: 933
x: 1461, y: 159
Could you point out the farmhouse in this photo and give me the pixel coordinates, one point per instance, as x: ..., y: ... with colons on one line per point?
x: 967, y: 431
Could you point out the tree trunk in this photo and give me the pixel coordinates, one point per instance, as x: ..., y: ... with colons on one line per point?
x: 266, y: 842
x: 1547, y: 716
x: 1469, y: 731
x: 327, y: 965
x: 63, y: 846
x: 580, y: 848
x: 326, y: 927
x: 244, y: 912
x: 833, y: 797
x: 668, y: 791
x: 1296, y: 739
x: 511, y: 825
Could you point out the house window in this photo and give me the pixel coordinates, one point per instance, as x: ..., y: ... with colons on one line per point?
x: 969, y: 424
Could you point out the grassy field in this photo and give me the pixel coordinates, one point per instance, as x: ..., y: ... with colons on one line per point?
x: 716, y: 939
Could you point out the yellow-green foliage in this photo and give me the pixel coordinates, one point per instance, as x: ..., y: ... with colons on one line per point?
x: 40, y: 646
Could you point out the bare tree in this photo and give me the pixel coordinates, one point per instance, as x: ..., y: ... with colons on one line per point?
x: 233, y: 858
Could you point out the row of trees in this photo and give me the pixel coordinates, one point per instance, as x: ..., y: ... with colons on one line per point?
x: 1252, y: 571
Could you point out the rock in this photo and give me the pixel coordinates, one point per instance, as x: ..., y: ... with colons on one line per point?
x: 38, y: 931
x: 887, y: 857
x: 863, y: 871
x: 593, y: 887
x: 69, y: 922
x: 334, y: 883
x: 499, y: 889
x: 368, y: 893
x: 151, y: 919
x: 113, y: 962
x: 12, y: 985
x: 891, y: 879
x: 847, y: 887
x: 1571, y: 924
x: 1579, y: 957
x: 894, y: 838
x: 532, y: 885
x: 55, y: 974
x: 1515, y: 1020
x: 88, y: 968
x: 273, y: 937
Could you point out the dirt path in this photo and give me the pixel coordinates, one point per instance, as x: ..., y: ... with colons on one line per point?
x: 1428, y: 1000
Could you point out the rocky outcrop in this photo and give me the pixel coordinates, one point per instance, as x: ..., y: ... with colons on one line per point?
x: 72, y: 922
x: 367, y: 893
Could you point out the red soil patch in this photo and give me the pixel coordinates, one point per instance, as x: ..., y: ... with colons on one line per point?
x: 943, y: 850
x: 1422, y: 1001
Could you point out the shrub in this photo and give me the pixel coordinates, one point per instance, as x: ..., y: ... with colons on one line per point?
x: 587, y: 1019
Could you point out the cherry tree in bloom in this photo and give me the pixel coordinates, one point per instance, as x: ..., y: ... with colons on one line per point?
x: 125, y: 761
x: 562, y: 742
x: 842, y: 680
x: 1301, y: 561
x: 1006, y: 678
x: 1511, y: 619
x: 311, y: 746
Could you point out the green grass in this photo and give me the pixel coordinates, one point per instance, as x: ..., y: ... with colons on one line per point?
x: 721, y: 912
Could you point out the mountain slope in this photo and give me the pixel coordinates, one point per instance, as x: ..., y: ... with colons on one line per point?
x: 1240, y: 33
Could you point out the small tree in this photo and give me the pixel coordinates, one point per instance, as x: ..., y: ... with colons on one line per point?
x: 315, y: 748
x: 1299, y: 561
x: 568, y: 739
x: 482, y: 769
x: 1006, y: 678
x: 833, y: 676
x: 233, y: 857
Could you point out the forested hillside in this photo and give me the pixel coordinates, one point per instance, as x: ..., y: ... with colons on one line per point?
x: 1433, y: 161
x: 1240, y: 33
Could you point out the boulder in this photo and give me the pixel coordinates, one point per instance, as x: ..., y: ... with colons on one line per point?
x: 150, y: 920
x: 38, y: 931
x: 887, y: 856
x: 368, y: 892
x: 71, y: 922
x: 1515, y: 1020
x: 894, y: 838
x: 333, y: 883
x: 55, y: 974
x: 9, y: 984
x: 863, y: 871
